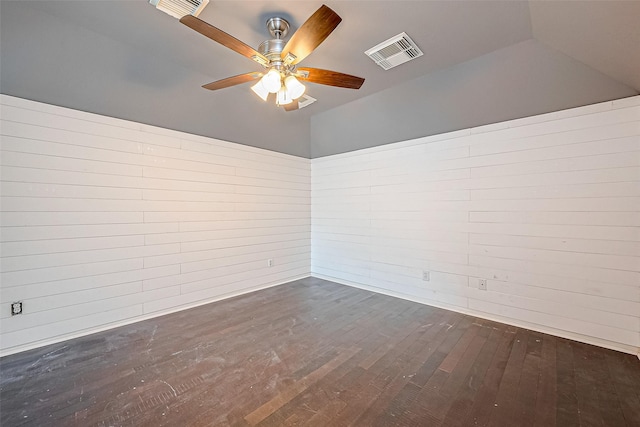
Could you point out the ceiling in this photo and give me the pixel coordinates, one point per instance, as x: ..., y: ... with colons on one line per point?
x: 483, y: 62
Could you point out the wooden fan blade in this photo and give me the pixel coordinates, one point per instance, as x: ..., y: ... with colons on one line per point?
x: 223, y: 38
x: 310, y: 34
x: 292, y: 106
x: 330, y: 78
x: 232, y: 81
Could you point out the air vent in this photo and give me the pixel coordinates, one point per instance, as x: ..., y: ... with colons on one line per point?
x: 180, y: 8
x: 305, y: 100
x: 395, y: 51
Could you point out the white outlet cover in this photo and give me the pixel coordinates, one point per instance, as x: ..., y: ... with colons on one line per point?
x: 426, y: 276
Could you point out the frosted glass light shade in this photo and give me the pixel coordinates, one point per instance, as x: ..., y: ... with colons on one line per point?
x: 294, y: 87
x: 260, y: 90
x: 284, y: 97
x: 271, y: 81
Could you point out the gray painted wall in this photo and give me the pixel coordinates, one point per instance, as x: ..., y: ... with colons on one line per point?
x: 448, y: 100
x: 151, y: 71
x: 37, y: 49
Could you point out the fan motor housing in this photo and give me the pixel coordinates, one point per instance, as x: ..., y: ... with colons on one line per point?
x: 278, y: 28
x: 272, y: 49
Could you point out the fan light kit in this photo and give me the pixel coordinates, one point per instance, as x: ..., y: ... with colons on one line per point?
x: 279, y: 58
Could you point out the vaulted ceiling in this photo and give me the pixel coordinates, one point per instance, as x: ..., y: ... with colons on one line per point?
x: 483, y: 62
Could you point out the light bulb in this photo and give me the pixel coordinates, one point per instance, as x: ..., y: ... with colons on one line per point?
x: 260, y: 90
x: 284, y: 97
x: 272, y: 80
x: 294, y: 87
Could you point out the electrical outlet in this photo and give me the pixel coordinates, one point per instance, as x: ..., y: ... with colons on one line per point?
x: 426, y: 276
x: 16, y: 308
x: 482, y: 284
x: 269, y: 263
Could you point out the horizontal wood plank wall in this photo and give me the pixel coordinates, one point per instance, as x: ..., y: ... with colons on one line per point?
x: 106, y: 221
x: 546, y: 209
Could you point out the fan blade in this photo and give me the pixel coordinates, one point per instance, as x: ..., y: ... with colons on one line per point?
x: 292, y: 106
x: 223, y: 38
x: 232, y: 81
x: 310, y: 35
x: 330, y: 78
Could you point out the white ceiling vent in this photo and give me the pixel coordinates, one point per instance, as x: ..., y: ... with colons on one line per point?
x: 180, y: 8
x: 305, y: 100
x: 395, y: 51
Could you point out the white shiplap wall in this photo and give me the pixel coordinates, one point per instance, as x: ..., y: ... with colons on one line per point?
x: 106, y: 221
x: 546, y: 208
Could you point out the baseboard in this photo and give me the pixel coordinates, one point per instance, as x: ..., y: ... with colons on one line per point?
x: 534, y: 327
x: 509, y: 321
x: 85, y: 332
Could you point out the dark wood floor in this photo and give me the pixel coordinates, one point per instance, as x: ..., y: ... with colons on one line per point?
x: 316, y: 353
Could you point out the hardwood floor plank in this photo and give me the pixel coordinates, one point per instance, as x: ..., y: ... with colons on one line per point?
x: 607, y: 398
x: 391, y: 380
x: 430, y: 402
x: 280, y: 400
x: 506, y: 407
x: 587, y: 384
x: 456, y: 382
x: 545, y: 413
x: 398, y: 412
x: 624, y: 373
x: 461, y: 406
x: 338, y: 381
x: 529, y: 381
x: 483, y: 407
x: 567, y: 401
x: 455, y: 354
x: 433, y: 357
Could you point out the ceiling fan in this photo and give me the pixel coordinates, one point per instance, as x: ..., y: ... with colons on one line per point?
x: 280, y: 59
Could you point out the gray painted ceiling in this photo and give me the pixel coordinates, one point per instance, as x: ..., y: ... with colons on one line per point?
x: 483, y: 62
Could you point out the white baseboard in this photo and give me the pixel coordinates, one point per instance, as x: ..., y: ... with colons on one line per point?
x: 624, y: 348
x: 534, y: 327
